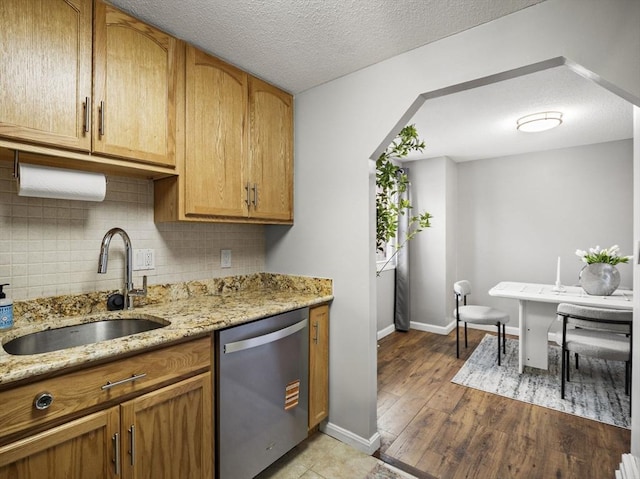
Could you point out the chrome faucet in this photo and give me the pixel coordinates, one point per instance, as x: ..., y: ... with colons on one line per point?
x: 129, y: 291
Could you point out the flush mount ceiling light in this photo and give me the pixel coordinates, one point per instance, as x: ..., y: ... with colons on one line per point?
x: 539, y: 121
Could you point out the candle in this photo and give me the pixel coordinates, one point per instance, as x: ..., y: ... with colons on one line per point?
x: 558, y: 272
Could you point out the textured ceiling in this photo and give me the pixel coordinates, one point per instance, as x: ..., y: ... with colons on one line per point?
x: 299, y: 44
x: 481, y: 122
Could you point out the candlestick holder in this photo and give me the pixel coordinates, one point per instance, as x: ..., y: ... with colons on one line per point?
x: 558, y: 288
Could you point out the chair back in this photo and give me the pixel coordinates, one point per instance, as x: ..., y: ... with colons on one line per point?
x: 600, y: 319
x: 462, y: 287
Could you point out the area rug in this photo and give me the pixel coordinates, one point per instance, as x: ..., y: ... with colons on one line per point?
x: 596, y: 390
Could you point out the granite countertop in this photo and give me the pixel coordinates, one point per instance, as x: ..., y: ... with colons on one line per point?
x: 192, y: 309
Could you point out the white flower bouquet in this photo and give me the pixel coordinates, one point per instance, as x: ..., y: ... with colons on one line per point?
x: 605, y: 255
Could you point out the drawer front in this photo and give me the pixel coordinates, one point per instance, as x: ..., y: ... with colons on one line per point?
x: 89, y: 387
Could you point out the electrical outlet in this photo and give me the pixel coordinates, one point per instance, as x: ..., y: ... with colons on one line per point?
x: 225, y: 258
x: 144, y: 259
x: 149, y: 259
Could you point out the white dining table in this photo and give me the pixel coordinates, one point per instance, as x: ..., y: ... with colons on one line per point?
x: 535, y: 316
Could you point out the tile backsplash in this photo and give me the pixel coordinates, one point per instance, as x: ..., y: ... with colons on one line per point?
x: 50, y: 247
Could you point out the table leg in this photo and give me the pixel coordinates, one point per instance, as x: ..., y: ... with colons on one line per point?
x: 535, y: 321
x: 522, y: 315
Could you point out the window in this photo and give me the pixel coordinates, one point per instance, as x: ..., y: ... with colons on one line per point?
x: 383, y: 257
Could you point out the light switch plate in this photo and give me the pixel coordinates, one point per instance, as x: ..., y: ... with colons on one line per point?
x: 225, y: 258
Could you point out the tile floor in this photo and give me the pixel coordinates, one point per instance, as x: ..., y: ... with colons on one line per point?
x: 323, y: 457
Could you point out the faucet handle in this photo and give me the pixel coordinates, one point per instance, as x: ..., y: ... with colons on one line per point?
x: 140, y: 292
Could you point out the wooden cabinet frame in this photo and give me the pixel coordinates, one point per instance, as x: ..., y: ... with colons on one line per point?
x: 57, y: 87
x: 318, y: 364
x: 161, y: 433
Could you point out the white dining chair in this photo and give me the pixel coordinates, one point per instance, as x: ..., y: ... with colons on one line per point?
x: 476, y: 314
x: 596, y: 332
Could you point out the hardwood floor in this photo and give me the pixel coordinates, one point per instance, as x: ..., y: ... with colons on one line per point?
x: 436, y: 429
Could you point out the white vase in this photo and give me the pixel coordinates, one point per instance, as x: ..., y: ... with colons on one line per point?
x: 599, y: 279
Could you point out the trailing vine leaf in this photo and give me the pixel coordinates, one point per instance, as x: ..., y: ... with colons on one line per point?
x: 392, y: 181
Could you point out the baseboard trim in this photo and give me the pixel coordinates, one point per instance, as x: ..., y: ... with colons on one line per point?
x: 368, y: 446
x: 514, y: 331
x: 386, y: 331
x: 444, y: 330
x: 430, y: 328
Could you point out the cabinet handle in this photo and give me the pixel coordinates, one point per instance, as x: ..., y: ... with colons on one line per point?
x: 255, y: 195
x: 116, y: 452
x: 133, y: 377
x: 315, y: 334
x: 101, y: 127
x: 87, y: 113
x: 247, y: 199
x: 132, y: 451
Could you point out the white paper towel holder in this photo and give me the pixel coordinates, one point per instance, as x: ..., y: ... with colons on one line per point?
x: 16, y: 168
x: 16, y: 165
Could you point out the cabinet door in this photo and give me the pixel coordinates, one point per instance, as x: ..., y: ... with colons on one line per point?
x: 270, y: 151
x: 76, y: 450
x: 318, y: 364
x: 215, y: 149
x: 135, y: 77
x: 45, y: 71
x: 169, y: 432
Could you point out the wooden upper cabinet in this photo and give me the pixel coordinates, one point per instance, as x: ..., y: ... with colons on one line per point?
x: 270, y: 151
x: 45, y: 71
x: 238, y: 150
x: 215, y: 143
x: 135, y: 85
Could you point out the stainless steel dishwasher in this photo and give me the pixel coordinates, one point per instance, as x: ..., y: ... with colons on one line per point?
x: 261, y: 392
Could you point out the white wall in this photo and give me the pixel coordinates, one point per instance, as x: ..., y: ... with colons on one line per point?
x: 514, y: 216
x: 635, y: 385
x: 432, y: 251
x: 385, y: 299
x: 518, y: 214
x: 340, y: 124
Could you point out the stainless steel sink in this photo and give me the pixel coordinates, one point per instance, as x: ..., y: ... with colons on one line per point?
x: 78, y: 335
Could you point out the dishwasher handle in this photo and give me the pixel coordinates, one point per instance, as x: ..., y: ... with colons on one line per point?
x: 264, y: 339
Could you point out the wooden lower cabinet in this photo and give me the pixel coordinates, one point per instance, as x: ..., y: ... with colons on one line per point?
x: 318, y: 364
x: 170, y: 432
x: 78, y: 449
x: 164, y: 434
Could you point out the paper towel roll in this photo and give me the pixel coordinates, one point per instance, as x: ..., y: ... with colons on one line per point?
x: 59, y: 183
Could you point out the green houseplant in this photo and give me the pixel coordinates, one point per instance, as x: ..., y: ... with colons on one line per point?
x: 605, y: 255
x: 391, y: 181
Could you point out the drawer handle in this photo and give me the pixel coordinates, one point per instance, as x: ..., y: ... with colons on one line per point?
x: 133, y: 377
x: 43, y: 401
